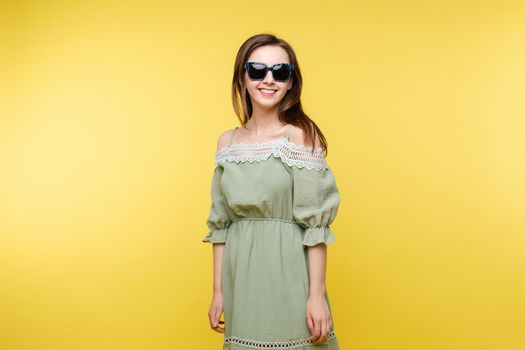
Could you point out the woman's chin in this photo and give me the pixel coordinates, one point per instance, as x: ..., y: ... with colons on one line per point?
x: 267, y: 105
x: 267, y: 102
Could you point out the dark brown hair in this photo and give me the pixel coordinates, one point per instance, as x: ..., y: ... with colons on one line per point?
x: 290, y: 109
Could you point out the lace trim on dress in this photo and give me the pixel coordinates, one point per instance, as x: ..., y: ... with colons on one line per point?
x: 273, y: 345
x: 291, y: 154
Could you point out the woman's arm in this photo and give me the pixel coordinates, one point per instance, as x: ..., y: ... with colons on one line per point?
x: 216, y: 308
x: 317, y: 268
x: 218, y: 221
x: 218, y: 250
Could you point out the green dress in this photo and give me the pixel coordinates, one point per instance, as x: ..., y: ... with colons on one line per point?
x: 270, y: 201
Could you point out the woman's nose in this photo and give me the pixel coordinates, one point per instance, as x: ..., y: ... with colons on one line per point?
x: 269, y: 76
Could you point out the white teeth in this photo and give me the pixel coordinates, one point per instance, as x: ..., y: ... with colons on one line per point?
x: 267, y: 91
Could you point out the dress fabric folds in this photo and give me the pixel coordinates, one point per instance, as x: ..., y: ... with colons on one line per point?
x: 270, y: 201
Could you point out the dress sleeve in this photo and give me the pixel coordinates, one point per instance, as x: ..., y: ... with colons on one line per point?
x: 218, y: 219
x: 315, y: 202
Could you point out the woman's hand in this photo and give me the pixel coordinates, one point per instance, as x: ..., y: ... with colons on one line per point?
x: 215, y: 312
x: 319, y: 319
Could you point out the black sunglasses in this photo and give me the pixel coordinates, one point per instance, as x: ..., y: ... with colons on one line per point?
x: 257, y: 71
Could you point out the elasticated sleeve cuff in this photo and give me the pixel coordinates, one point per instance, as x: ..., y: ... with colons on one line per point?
x: 316, y: 235
x: 216, y: 236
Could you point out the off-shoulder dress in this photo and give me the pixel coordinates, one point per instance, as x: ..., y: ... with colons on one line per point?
x: 269, y: 201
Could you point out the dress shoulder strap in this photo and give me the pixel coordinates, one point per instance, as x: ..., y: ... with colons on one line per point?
x: 288, y: 134
x: 231, y: 136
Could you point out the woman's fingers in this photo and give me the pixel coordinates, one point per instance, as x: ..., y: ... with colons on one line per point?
x: 217, y: 320
x: 313, y: 328
x: 325, y: 331
x: 219, y: 328
x: 310, y: 325
x: 320, y: 332
x: 325, y: 328
x: 218, y: 312
x: 211, y: 316
x: 316, y: 329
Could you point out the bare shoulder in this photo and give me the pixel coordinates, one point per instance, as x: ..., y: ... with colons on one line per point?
x: 224, y: 138
x: 297, y: 136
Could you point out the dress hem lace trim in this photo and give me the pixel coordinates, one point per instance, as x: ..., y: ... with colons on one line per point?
x: 282, y: 345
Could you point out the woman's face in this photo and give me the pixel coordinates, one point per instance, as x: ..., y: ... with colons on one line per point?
x: 270, y: 55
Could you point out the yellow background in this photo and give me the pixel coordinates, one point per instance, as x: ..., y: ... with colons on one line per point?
x: 109, y: 117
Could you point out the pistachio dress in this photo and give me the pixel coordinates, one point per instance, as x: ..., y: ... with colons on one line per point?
x: 270, y: 201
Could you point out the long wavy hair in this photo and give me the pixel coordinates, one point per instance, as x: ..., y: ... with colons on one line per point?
x: 290, y: 109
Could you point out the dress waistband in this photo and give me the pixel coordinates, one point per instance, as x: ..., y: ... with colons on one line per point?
x: 265, y: 219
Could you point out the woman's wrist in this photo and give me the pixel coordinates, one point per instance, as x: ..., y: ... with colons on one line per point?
x: 317, y: 292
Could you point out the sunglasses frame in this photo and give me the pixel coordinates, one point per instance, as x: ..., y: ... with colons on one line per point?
x: 272, y: 68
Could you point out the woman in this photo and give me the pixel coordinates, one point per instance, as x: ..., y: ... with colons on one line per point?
x: 273, y: 198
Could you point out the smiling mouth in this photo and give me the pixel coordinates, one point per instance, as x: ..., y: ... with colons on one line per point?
x: 267, y: 92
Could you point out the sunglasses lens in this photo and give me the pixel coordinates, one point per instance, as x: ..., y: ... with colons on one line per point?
x: 281, y: 72
x: 256, y: 71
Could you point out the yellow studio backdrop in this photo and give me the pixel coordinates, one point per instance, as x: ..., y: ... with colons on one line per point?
x: 109, y: 118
